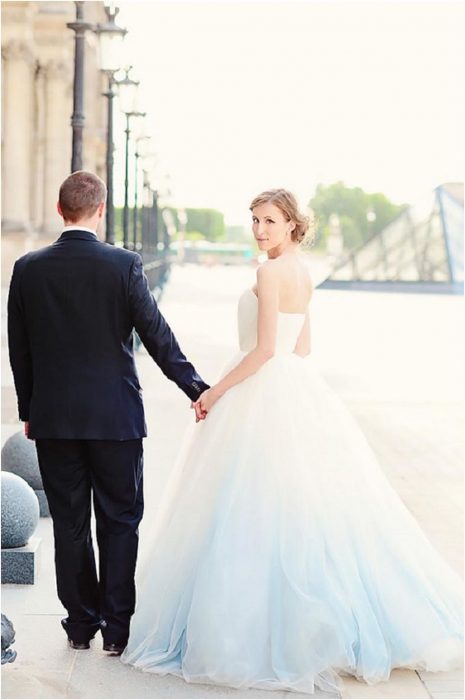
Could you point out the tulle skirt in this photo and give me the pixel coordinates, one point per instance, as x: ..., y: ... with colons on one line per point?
x: 282, y: 558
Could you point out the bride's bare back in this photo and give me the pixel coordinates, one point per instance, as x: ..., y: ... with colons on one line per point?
x: 295, y: 289
x: 295, y: 283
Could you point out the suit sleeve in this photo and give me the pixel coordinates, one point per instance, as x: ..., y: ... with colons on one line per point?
x: 158, y: 337
x: 18, y: 347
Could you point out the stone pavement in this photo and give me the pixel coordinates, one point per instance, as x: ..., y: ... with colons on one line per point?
x: 396, y: 361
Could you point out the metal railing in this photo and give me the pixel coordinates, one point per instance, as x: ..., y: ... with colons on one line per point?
x: 150, y: 238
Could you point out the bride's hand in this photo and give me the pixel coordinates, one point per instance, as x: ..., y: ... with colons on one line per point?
x: 208, y: 399
x: 199, y: 414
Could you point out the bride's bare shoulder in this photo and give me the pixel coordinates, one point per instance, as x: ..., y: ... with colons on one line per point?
x: 295, y: 267
x: 286, y: 271
x: 269, y: 269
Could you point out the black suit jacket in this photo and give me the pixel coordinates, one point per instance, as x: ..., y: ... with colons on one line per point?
x: 72, y: 308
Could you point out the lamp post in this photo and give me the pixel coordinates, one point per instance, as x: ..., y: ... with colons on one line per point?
x: 79, y: 26
x: 128, y: 94
x: 111, y: 37
x: 145, y: 232
x: 138, y: 152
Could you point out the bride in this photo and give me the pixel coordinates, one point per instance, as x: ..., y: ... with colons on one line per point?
x: 281, y: 557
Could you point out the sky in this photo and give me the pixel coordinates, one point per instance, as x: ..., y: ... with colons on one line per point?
x: 246, y: 96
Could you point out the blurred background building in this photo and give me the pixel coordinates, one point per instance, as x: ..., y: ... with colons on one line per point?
x: 37, y: 103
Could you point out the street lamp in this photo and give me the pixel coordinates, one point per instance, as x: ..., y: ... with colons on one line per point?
x: 145, y: 232
x: 111, y: 37
x: 128, y: 94
x: 139, y: 152
x: 79, y: 26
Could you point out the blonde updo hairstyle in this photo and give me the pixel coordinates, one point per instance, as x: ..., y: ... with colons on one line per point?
x: 303, y: 232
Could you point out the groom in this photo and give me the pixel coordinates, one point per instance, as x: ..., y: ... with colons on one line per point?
x: 72, y: 308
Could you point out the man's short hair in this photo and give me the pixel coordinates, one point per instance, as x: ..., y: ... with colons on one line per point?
x: 80, y: 195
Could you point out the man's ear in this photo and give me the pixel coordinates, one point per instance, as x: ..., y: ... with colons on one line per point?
x: 101, y: 209
x: 59, y: 210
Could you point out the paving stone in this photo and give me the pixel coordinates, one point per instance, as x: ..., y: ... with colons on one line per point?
x: 33, y: 682
x: 402, y: 683
x: 456, y: 675
x: 41, y: 643
x: 434, y: 684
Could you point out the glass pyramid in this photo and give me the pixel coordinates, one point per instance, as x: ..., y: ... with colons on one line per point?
x: 421, y: 250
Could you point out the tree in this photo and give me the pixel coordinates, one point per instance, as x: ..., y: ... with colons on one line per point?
x: 210, y: 222
x: 238, y: 234
x: 352, y: 205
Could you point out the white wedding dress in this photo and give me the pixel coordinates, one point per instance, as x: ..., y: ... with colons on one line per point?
x: 282, y: 558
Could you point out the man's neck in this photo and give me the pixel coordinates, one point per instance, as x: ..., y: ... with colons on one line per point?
x: 79, y: 226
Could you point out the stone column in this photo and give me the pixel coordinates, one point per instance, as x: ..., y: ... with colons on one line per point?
x: 17, y: 122
x: 57, y: 139
x: 38, y: 150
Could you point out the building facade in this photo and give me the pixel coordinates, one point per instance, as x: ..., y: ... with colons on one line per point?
x: 37, y: 104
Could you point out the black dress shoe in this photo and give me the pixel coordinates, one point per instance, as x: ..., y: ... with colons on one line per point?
x: 116, y: 649
x: 78, y: 645
x: 73, y: 643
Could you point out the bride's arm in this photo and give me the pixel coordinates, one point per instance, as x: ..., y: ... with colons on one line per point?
x: 268, y: 305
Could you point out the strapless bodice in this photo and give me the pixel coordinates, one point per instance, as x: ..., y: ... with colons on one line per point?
x: 288, y: 330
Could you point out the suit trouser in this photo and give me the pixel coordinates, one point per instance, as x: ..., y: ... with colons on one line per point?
x: 113, y: 472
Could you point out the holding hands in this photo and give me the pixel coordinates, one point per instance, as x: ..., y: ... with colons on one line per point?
x: 204, y: 403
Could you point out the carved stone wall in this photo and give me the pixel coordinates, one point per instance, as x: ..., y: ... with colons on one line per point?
x: 37, y: 103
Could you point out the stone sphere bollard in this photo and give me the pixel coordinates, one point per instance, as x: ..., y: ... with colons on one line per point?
x: 20, y: 511
x: 19, y: 456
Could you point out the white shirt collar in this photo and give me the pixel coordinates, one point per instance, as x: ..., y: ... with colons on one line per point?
x: 79, y: 228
